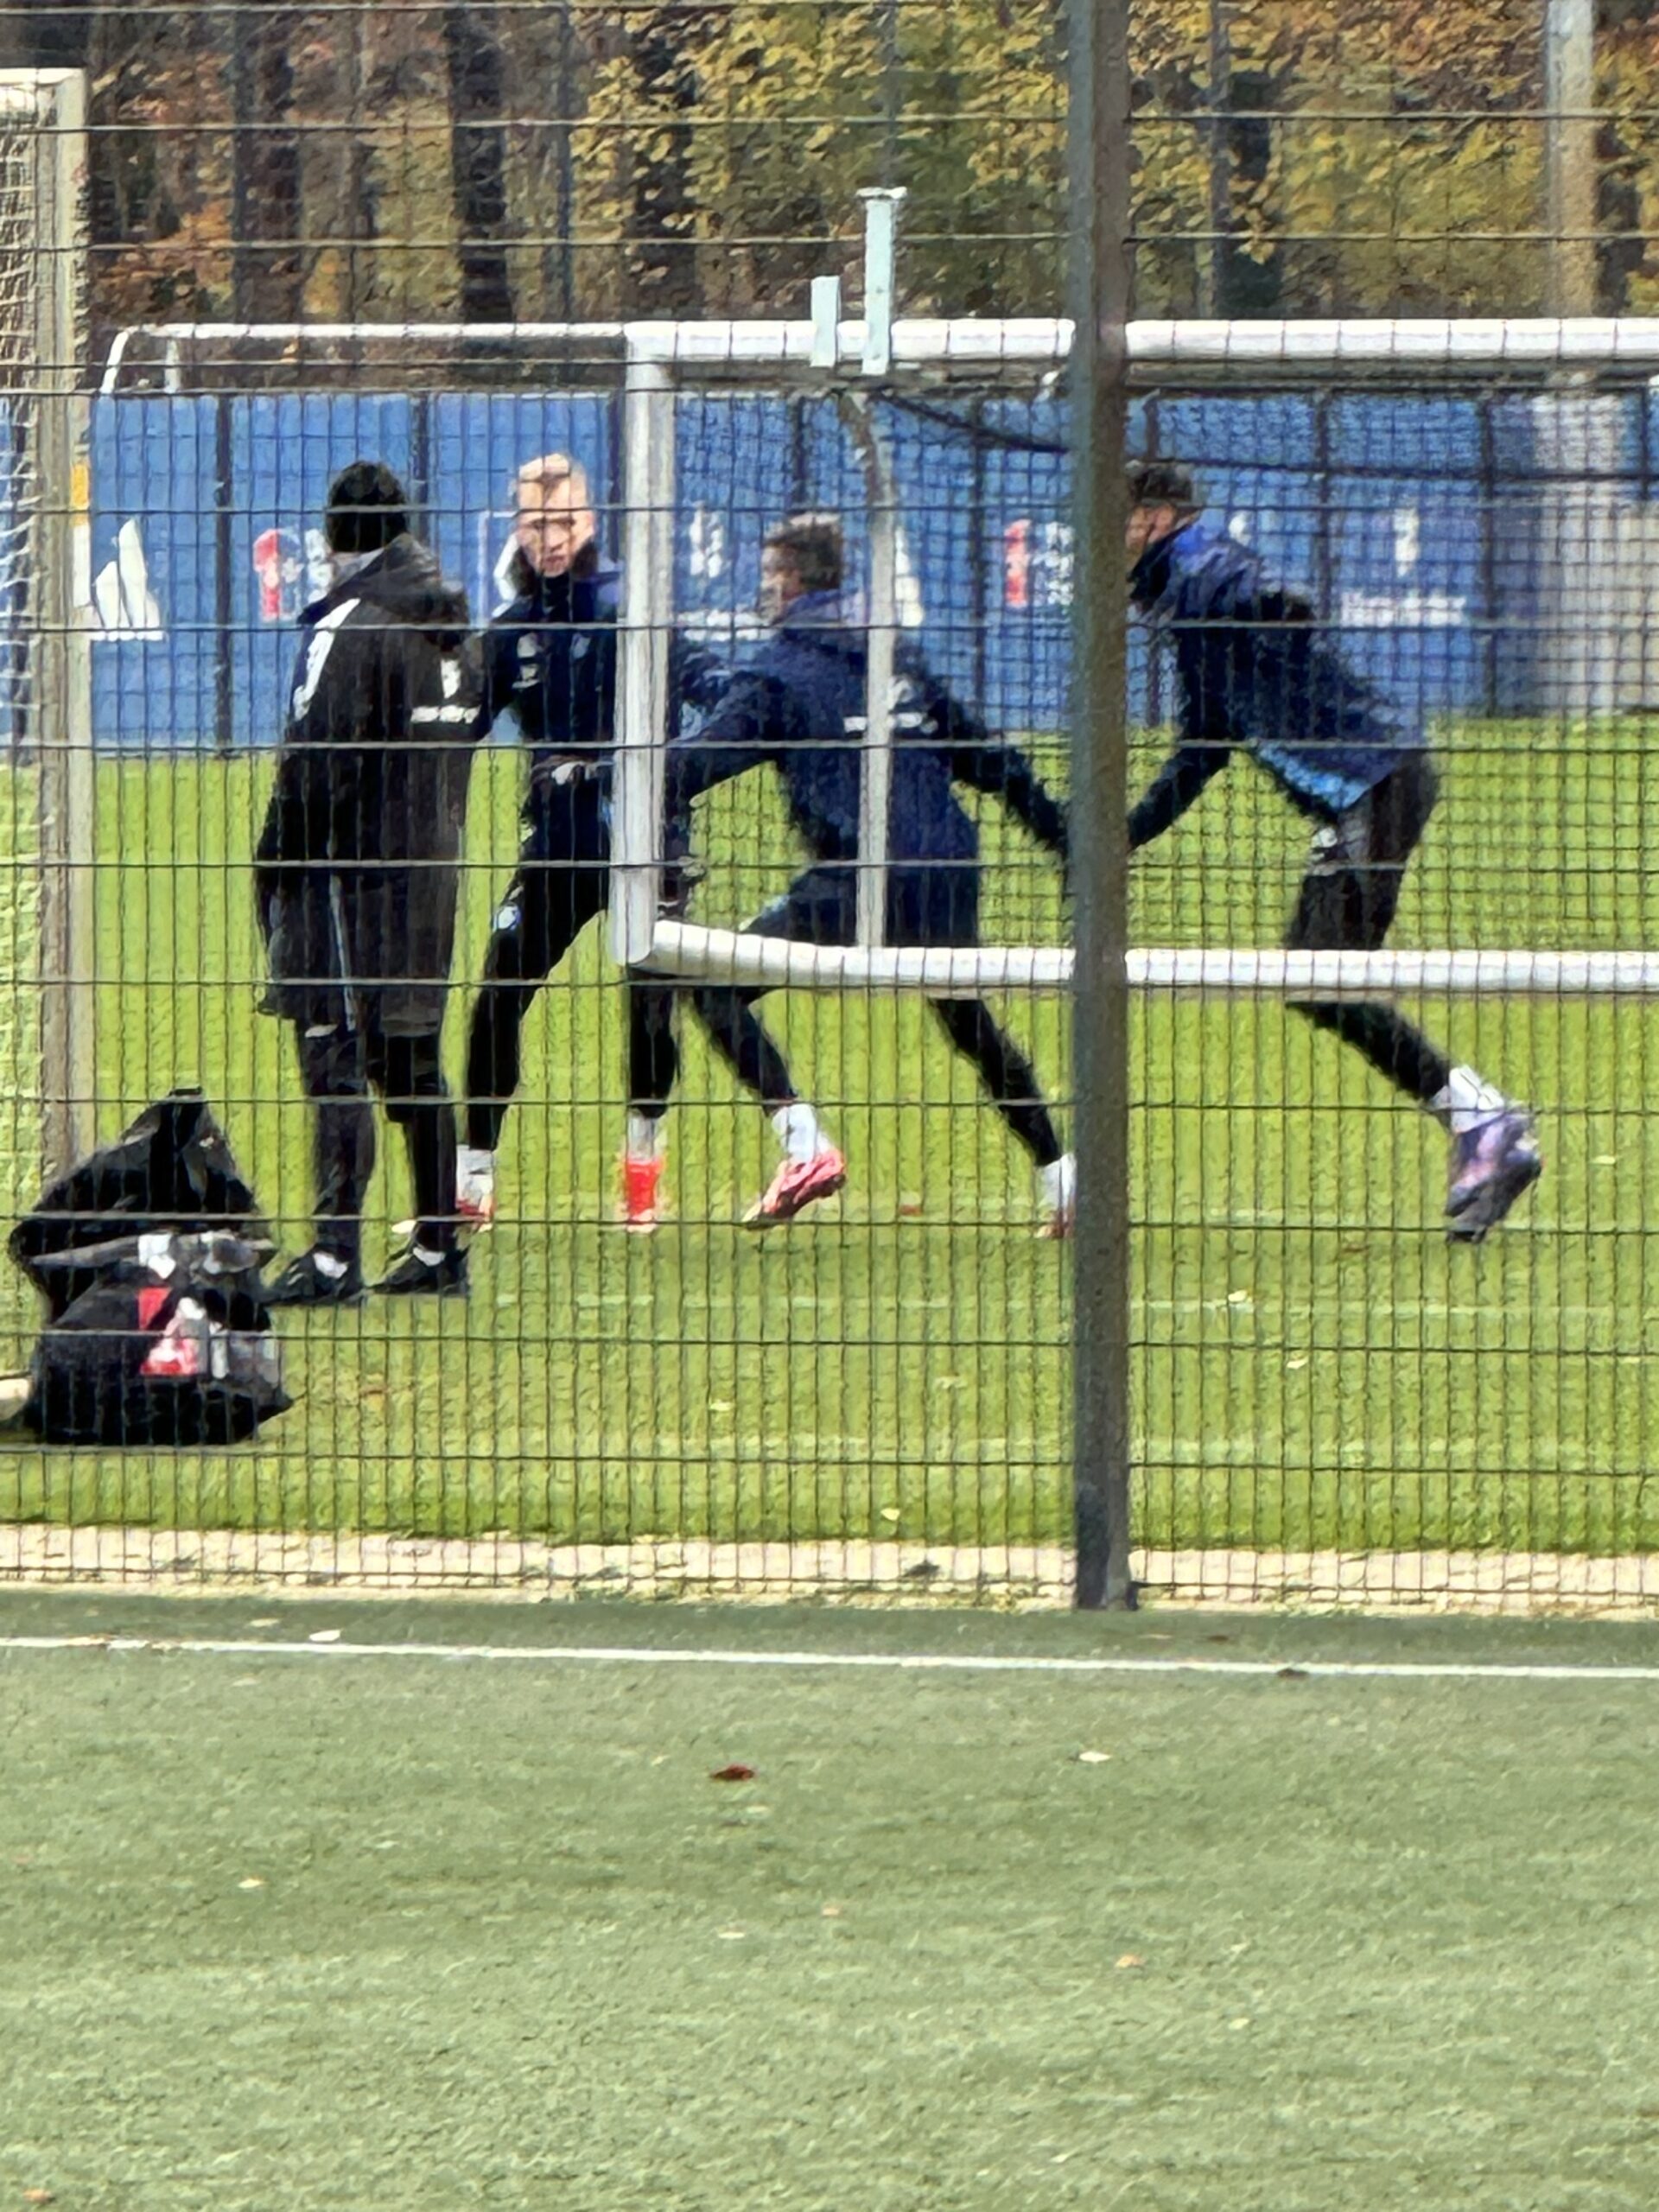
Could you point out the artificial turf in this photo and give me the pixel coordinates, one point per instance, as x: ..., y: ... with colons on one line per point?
x: 426, y: 1932
x: 1312, y: 1366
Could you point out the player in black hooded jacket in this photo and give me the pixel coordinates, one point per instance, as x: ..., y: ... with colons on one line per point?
x: 357, y: 872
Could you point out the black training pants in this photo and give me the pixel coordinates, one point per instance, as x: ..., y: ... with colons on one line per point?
x: 340, y: 1065
x: 561, y: 883
x: 938, y: 905
x: 1348, y: 902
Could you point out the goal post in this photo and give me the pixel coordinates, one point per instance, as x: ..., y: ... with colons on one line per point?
x: 45, y: 502
x: 1559, y: 375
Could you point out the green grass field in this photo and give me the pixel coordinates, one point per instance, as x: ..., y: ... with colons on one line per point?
x: 415, y: 1934
x: 1313, y: 1367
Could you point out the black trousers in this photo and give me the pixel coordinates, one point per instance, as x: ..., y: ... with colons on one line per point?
x: 341, y: 1067
x: 561, y: 882
x: 924, y: 907
x: 1347, y: 903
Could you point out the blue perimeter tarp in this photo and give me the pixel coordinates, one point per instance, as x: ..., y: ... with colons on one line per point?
x: 1415, y: 524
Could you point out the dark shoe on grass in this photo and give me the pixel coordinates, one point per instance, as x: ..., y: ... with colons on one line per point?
x: 306, y: 1281
x: 426, y: 1274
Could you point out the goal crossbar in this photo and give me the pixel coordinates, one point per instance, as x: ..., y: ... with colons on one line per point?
x: 681, y: 948
x: 1402, y: 345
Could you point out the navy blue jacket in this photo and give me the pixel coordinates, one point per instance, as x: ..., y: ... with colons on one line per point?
x: 800, y: 706
x: 1256, y: 672
x: 550, y: 655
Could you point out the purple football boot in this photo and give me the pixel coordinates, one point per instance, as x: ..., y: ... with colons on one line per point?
x: 1492, y: 1167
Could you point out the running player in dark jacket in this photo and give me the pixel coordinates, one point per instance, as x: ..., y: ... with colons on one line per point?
x: 1257, y: 674
x: 550, y: 655
x: 357, y: 873
x: 800, y: 706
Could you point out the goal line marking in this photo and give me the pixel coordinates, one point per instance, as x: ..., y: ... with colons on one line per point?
x: 903, y: 1662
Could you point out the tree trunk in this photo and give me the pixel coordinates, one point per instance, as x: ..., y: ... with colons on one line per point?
x: 268, y: 278
x: 663, y: 196
x: 47, y: 39
x: 1245, y: 284
x: 478, y: 163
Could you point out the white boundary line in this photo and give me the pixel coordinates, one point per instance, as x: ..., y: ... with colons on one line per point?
x: 903, y: 1661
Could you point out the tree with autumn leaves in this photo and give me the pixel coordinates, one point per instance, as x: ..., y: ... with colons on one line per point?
x: 484, y: 161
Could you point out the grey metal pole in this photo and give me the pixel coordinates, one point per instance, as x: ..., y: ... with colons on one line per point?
x: 1099, y: 132
x: 1570, y: 154
x: 1212, y: 290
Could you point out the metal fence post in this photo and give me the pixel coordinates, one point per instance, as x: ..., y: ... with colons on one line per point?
x: 1099, y: 133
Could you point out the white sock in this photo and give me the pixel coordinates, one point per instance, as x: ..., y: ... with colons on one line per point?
x: 647, y: 1138
x: 1059, y: 1182
x: 329, y: 1264
x: 474, y: 1165
x: 1467, y: 1101
x: 427, y: 1259
x: 798, y: 1132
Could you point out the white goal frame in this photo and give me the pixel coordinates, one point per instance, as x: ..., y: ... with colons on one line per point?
x: 662, y: 359
x: 57, y: 732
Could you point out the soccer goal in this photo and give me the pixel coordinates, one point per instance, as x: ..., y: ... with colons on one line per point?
x: 46, y: 924
x: 1470, y: 505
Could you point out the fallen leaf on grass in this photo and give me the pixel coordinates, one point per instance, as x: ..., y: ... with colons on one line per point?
x: 39, y: 2197
x: 324, y: 1636
x: 735, y: 1772
x: 1129, y: 1959
x: 1093, y: 1758
x: 1243, y: 2021
x: 732, y: 1934
x: 829, y: 1912
x: 252, y: 1882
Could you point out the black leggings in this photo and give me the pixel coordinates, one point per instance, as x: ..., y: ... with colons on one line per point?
x: 1348, y: 901
x: 548, y: 904
x: 728, y: 1014
x: 339, y: 1067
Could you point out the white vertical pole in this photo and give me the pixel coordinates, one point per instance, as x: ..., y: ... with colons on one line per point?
x: 642, y: 691
x: 60, y: 593
x: 1570, y: 154
x: 881, y: 209
x: 876, y: 782
x: 826, y: 321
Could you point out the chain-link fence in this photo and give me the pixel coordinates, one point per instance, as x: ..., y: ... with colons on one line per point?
x: 772, y: 639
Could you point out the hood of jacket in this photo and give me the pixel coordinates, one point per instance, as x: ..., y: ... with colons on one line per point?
x: 405, y: 581
x: 831, y: 619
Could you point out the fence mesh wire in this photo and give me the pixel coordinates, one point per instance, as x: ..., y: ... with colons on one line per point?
x: 314, y: 235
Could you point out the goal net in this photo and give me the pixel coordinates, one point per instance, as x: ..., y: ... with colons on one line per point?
x: 1468, y: 507
x: 46, y: 894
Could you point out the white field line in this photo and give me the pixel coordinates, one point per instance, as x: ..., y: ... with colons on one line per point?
x: 929, y: 1662
x: 506, y: 1567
